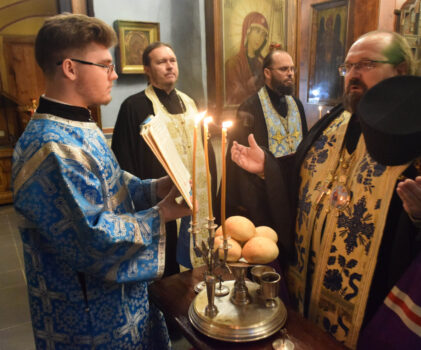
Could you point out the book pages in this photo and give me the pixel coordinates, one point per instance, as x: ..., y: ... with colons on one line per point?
x: 155, y: 133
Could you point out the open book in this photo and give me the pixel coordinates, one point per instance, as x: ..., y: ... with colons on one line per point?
x: 156, y: 135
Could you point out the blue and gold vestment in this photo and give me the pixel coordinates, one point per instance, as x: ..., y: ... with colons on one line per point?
x: 92, y: 240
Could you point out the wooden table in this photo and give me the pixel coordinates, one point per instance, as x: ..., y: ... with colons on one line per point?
x: 174, y: 294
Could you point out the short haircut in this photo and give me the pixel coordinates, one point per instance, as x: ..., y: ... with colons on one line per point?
x: 66, y: 32
x: 145, y: 57
x: 398, y: 51
x: 267, y: 61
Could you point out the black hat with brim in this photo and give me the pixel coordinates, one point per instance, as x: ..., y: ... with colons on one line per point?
x: 390, y: 117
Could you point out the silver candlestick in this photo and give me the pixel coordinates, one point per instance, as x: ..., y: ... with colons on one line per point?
x: 210, y: 256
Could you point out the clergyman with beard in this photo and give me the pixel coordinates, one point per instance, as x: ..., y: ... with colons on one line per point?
x: 177, y: 110
x: 277, y: 120
x: 351, y: 232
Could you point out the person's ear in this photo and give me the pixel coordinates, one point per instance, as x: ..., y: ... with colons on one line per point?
x: 148, y: 72
x: 402, y: 68
x: 68, y: 68
x: 267, y: 73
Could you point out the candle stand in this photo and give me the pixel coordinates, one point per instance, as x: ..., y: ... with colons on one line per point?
x: 239, y: 310
x: 210, y: 257
x: 250, y: 311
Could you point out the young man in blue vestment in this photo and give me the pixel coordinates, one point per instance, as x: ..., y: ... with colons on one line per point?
x: 93, y: 235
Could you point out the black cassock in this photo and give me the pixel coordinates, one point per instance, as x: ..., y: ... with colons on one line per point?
x: 132, y: 152
x: 135, y: 156
x: 246, y: 193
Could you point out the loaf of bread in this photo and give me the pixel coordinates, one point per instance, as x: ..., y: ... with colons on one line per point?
x: 260, y: 250
x: 234, y: 250
x: 240, y: 228
x: 266, y: 231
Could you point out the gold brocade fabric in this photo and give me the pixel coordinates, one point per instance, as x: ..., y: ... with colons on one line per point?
x: 284, y: 132
x: 338, y: 248
x: 180, y: 127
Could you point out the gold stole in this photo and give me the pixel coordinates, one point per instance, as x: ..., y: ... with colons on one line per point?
x: 180, y: 127
x: 284, y: 133
x: 343, y: 244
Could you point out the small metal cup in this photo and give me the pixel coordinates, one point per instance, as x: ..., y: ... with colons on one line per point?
x: 270, y: 287
x: 256, y: 273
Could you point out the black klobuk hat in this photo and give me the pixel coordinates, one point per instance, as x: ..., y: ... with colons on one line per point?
x: 390, y: 116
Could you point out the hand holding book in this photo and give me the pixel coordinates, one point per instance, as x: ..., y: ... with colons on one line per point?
x: 171, y: 209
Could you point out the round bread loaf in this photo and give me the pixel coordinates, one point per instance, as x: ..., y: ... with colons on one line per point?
x: 266, y: 231
x: 234, y: 250
x: 260, y: 250
x: 218, y: 231
x: 240, y: 228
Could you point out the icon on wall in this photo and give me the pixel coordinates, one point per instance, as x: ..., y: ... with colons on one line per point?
x: 133, y: 38
x: 327, y: 51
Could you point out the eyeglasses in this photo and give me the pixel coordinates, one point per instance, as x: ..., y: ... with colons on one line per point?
x: 109, y: 67
x: 284, y: 69
x: 364, y: 66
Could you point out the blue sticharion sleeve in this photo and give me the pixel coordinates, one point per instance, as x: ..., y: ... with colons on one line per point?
x: 136, y: 189
x: 81, y: 209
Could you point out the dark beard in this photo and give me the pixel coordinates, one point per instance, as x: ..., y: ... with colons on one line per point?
x: 351, y: 99
x: 283, y: 89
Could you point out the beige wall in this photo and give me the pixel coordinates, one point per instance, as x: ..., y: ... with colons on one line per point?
x: 24, y: 17
x: 386, y: 15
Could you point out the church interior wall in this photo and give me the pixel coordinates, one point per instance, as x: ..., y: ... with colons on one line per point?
x: 364, y: 16
x: 181, y: 25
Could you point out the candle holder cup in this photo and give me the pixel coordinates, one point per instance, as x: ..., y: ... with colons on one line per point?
x: 269, y: 282
x: 243, y: 315
x: 256, y: 273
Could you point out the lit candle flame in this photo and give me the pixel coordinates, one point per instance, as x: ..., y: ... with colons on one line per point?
x: 198, y: 118
x: 226, y: 124
x: 207, y: 121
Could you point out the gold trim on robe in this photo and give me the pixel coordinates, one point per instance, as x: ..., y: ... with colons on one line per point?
x: 341, y: 246
x: 180, y: 127
x: 284, y: 132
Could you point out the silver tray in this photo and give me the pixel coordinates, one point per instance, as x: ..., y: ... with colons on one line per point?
x: 235, y: 323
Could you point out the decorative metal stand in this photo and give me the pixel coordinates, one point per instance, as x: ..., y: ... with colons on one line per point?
x: 244, y: 315
x: 210, y: 258
x: 238, y: 311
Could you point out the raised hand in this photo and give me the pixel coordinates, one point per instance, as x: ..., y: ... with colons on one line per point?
x: 251, y: 159
x: 410, y: 193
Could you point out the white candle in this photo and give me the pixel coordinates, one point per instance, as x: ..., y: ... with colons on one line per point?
x: 320, y: 112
